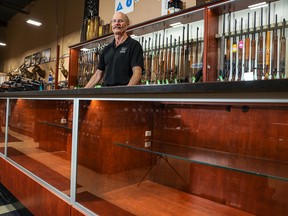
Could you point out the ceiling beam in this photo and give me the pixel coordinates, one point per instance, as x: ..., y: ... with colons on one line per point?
x: 19, y: 10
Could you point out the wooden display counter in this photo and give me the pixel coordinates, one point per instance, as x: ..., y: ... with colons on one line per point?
x: 224, y: 142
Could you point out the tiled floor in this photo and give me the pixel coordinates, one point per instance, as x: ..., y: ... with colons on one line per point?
x: 10, y: 206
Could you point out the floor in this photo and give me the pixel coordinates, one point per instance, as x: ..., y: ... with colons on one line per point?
x: 10, y: 206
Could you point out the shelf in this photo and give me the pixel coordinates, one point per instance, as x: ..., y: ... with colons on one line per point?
x: 65, y: 126
x: 241, y: 163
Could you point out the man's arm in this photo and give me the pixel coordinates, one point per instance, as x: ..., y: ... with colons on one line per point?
x: 95, y: 79
x: 136, y: 77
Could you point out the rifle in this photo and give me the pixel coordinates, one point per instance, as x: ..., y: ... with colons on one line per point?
x: 260, y: 50
x: 161, y: 61
x: 155, y: 62
x: 247, y: 48
x: 221, y: 75
x: 186, y: 64
x: 148, y: 63
x: 275, y: 50
x: 195, y: 65
x: 253, y: 45
x: 228, y: 45
x: 178, y: 61
x: 169, y: 61
x: 145, y: 56
x: 173, y: 67
x: 267, y: 53
x: 234, y: 51
x: 283, y: 51
x: 165, y: 62
x: 182, y: 70
x: 240, y: 51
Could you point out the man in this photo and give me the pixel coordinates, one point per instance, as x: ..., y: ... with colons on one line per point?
x: 121, y: 62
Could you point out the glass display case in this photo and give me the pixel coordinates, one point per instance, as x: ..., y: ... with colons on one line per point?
x: 132, y: 151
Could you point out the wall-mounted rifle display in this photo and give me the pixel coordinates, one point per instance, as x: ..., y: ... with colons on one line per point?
x: 258, y: 56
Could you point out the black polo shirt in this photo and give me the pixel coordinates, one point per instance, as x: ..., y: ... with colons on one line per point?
x: 117, y: 63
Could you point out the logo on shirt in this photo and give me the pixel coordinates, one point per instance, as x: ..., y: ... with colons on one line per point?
x: 123, y: 49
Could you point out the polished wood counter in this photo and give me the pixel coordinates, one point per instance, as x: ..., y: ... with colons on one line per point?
x: 265, y: 89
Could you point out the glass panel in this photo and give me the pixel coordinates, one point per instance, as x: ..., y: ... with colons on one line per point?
x: 41, y: 132
x: 134, y: 157
x: 3, y: 123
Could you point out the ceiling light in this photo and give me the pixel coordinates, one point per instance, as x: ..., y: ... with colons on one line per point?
x: 2, y: 44
x: 84, y: 49
x: 33, y: 22
x: 174, y: 25
x: 259, y: 5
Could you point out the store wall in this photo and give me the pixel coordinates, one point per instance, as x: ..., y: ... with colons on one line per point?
x: 62, y: 28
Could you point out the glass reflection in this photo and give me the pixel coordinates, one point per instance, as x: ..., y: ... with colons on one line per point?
x: 40, y: 139
x: 2, y: 122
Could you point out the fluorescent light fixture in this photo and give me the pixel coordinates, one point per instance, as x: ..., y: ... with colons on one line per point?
x: 259, y: 5
x: 84, y: 49
x: 2, y: 44
x: 33, y: 22
x: 174, y: 25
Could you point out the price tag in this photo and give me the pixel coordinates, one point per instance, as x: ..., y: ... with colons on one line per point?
x: 124, y: 6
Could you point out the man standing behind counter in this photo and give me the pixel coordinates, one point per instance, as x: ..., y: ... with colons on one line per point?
x: 121, y: 62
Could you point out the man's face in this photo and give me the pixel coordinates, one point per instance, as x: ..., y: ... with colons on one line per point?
x: 119, y: 25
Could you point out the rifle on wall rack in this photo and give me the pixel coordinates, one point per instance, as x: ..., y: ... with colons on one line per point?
x: 240, y: 51
x: 165, y: 62
x: 221, y: 74
x: 173, y: 70
x: 161, y: 60
x: 283, y: 50
x: 253, y: 46
x: 195, y: 64
x: 186, y: 59
x: 148, y: 59
x: 182, y: 64
x: 247, y: 47
x: 228, y: 46
x: 260, y: 50
x: 275, y: 50
x: 234, y: 51
x: 267, y: 48
x: 169, y: 68
x: 155, y: 61
x: 192, y: 75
